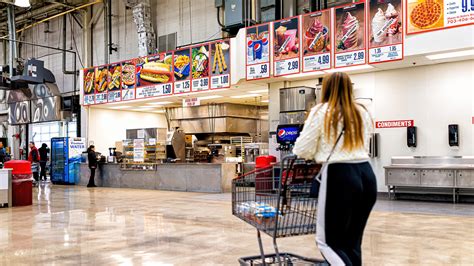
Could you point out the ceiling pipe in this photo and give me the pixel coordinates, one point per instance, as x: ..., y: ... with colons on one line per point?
x: 12, y: 36
x: 33, y: 13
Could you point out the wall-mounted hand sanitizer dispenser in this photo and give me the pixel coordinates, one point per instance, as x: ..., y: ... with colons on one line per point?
x: 453, y: 135
x: 411, y: 137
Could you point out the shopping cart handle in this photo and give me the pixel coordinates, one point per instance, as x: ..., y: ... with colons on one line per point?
x: 288, y: 158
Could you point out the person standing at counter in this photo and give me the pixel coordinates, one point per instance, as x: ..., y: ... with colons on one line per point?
x: 336, y: 133
x: 92, y: 158
x: 43, y: 154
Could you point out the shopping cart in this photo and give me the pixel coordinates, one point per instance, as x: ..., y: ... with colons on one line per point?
x: 279, y: 204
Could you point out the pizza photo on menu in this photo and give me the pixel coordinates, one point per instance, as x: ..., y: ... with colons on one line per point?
x: 425, y: 15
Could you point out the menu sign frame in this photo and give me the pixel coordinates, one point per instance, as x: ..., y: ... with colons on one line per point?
x: 182, y: 71
x: 114, y: 80
x: 128, y: 80
x: 100, y: 84
x: 200, y: 67
x: 88, y: 86
x: 258, y: 40
x: 452, y: 14
x: 220, y: 73
x: 317, y: 45
x: 348, y: 51
x: 385, y: 31
x: 286, y: 46
x: 154, y: 78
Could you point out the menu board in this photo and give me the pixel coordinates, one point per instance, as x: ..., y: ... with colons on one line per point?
x: 220, y: 64
x: 200, y: 67
x: 385, y: 30
x: 258, y: 52
x: 138, y: 150
x: 88, y: 86
x: 429, y: 15
x: 286, y: 47
x: 128, y: 80
x: 182, y: 71
x: 155, y: 76
x: 100, y: 84
x: 317, y: 41
x: 350, y: 35
x: 113, y: 81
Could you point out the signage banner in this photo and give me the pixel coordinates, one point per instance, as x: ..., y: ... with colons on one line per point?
x: 385, y: 31
x: 350, y: 37
x: 138, y: 150
x: 101, y: 73
x: 316, y: 43
x: 286, y: 47
x: 128, y: 80
x: 88, y: 86
x: 76, y: 147
x: 113, y: 80
x: 200, y: 67
x: 191, y: 102
x: 182, y: 71
x: 430, y: 15
x: 155, y: 76
x: 220, y: 64
x: 258, y: 52
x: 394, y: 123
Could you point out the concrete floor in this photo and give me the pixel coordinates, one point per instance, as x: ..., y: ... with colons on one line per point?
x: 70, y: 225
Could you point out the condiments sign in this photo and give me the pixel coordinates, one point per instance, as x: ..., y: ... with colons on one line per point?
x: 394, y: 123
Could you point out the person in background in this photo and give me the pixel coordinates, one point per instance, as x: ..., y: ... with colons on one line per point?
x: 92, y: 158
x: 3, y: 153
x: 43, y: 153
x: 337, y: 134
x: 33, y: 157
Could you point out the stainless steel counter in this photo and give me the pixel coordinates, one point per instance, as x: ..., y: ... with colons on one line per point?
x: 439, y: 175
x: 176, y: 177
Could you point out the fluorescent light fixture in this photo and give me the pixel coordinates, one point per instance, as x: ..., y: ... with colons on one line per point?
x: 346, y: 69
x: 246, y: 96
x: 120, y: 107
x: 159, y: 111
x: 22, y: 3
x: 210, y: 97
x: 304, y: 75
x: 260, y: 91
x: 145, y: 107
x: 159, y: 103
x: 265, y: 101
x: 450, y: 55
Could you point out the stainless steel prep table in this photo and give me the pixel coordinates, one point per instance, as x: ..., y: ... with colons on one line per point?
x: 192, y: 177
x: 453, y: 175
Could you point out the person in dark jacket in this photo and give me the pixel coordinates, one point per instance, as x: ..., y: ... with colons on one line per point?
x: 92, y: 158
x: 43, y: 153
x: 33, y: 157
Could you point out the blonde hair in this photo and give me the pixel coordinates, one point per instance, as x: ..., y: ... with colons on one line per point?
x: 337, y: 92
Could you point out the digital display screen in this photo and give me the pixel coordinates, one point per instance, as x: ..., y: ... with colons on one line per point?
x: 287, y: 134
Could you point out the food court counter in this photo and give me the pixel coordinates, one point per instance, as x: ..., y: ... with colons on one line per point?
x: 193, y: 177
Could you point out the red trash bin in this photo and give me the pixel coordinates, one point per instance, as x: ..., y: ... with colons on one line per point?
x: 22, y: 182
x: 264, y: 173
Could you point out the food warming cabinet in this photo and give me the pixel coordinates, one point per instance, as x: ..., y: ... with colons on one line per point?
x: 66, y: 156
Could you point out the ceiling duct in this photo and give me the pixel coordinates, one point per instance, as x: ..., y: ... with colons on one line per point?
x: 142, y: 19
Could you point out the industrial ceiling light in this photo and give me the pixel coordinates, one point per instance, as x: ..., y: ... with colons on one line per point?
x: 245, y: 96
x: 265, y: 101
x: 450, y: 55
x: 22, y: 3
x: 210, y: 97
x: 159, y: 103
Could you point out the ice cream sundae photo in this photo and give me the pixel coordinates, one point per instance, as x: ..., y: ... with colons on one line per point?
x: 385, y: 25
x: 316, y: 34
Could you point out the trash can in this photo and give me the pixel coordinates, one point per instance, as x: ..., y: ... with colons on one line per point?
x: 22, y: 182
x: 264, y: 173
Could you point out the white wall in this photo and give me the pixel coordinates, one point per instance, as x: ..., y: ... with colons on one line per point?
x: 434, y: 96
x: 108, y: 126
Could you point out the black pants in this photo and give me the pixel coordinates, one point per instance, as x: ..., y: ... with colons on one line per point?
x: 347, y: 196
x: 43, y: 170
x: 92, y: 178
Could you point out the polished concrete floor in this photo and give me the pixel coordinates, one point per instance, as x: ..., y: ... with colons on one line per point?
x: 102, y: 226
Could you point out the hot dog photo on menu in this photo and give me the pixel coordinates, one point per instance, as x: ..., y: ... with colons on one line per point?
x: 156, y: 69
x: 385, y: 24
x: 350, y: 28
